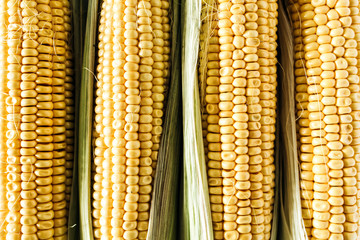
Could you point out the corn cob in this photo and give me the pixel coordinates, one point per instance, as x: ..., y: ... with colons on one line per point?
x: 150, y: 64
x: 132, y: 71
x: 240, y: 101
x: 327, y: 85
x: 33, y: 42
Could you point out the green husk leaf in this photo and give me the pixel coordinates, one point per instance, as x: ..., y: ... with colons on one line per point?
x: 164, y: 206
x: 291, y: 216
x: 85, y: 121
x: 197, y: 223
x: 78, y: 20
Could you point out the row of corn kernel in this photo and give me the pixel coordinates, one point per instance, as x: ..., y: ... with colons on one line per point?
x: 3, y: 119
x: 132, y: 116
x: 226, y: 137
x: 355, y: 90
x: 157, y: 79
x: 148, y: 64
x: 207, y: 26
x: 253, y: 75
x: 161, y: 52
x: 107, y: 112
x: 350, y: 208
x: 61, y: 67
x: 99, y: 147
x: 69, y: 101
x: 14, y: 170
x: 119, y: 123
x: 268, y: 103
x: 209, y: 77
x: 165, y: 9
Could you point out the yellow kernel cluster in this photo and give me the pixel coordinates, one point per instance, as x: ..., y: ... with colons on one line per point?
x: 132, y: 73
x: 34, y: 39
x: 238, y: 52
x: 327, y: 86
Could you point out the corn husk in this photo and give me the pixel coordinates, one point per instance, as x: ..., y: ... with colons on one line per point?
x: 291, y: 218
x: 197, y: 224
x: 164, y: 218
x: 85, y: 121
x: 78, y: 22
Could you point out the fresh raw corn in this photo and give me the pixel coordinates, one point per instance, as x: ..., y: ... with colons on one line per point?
x: 326, y: 35
x: 36, y: 119
x: 132, y: 73
x: 237, y: 72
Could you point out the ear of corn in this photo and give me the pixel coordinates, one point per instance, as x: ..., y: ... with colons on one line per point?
x: 238, y: 52
x: 36, y: 65
x: 326, y: 74
x: 132, y: 70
